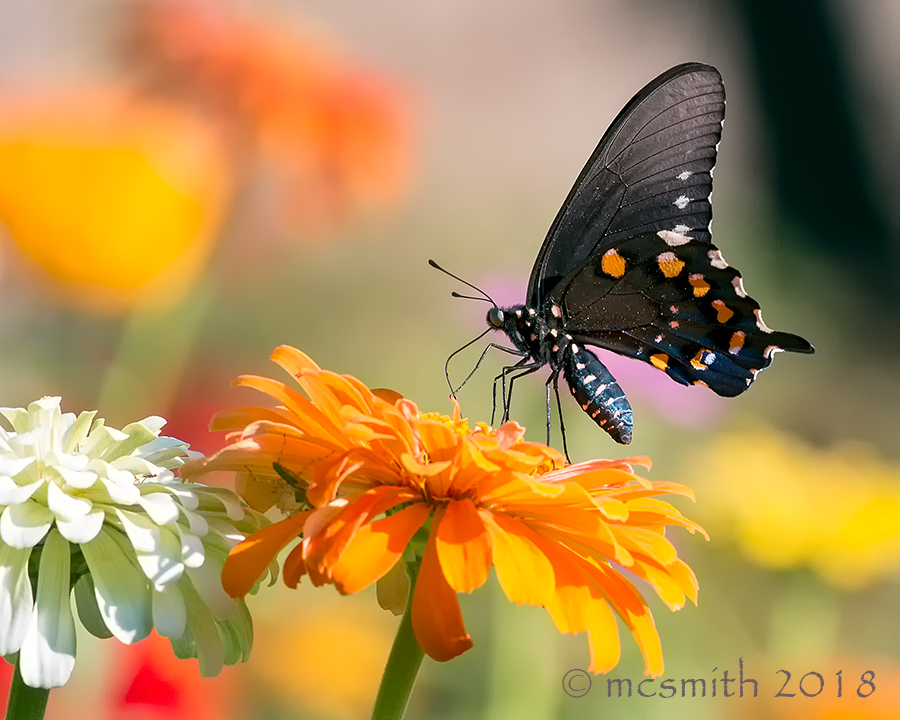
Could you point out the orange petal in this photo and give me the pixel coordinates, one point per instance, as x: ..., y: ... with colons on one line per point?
x: 294, y: 567
x: 523, y: 570
x: 310, y: 417
x: 293, y: 360
x: 247, y: 563
x: 376, y: 548
x: 463, y: 546
x: 388, y: 395
x: 326, y: 543
x: 603, y: 638
x: 436, y: 616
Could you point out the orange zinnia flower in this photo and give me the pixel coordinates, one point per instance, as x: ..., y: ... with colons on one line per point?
x: 370, y: 481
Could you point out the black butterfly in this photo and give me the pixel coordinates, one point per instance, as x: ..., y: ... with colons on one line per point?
x: 628, y: 264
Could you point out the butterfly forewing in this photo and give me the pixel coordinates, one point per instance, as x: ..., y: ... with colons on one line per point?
x: 651, y: 171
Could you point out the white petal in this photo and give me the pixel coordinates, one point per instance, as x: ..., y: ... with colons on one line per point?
x: 11, y: 493
x: 12, y: 466
x: 25, y: 525
x: 158, y: 549
x: 187, y: 498
x: 18, y: 418
x: 69, y: 461
x: 202, y: 627
x: 229, y: 500
x: 225, y: 530
x: 119, y: 484
x: 196, y: 522
x: 136, y: 466
x: 64, y: 506
x: 161, y: 507
x: 83, y: 529
x: 163, y: 566
x: 193, y: 554
x: 169, y: 611
x: 142, y: 533
x: 101, y: 440
x: 88, y: 611
x: 154, y: 423
x: 74, y: 436
x: 123, y: 593
x: 208, y: 580
x: 16, y: 600
x: 47, y: 657
x: 81, y: 479
x: 28, y: 442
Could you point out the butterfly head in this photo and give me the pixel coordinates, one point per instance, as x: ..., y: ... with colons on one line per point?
x: 496, y: 318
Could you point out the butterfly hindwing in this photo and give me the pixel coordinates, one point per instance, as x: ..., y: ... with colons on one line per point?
x: 675, y: 303
x: 651, y: 171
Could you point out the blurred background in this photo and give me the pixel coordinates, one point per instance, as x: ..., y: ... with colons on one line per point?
x: 185, y: 186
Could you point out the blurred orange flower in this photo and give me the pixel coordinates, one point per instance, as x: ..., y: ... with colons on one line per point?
x: 117, y: 198
x: 333, y: 135
x: 869, y: 690
x: 370, y: 482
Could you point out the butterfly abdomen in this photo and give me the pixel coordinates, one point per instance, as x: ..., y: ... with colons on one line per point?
x: 598, y: 393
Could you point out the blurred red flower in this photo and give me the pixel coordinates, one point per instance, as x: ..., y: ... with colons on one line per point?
x: 150, y: 683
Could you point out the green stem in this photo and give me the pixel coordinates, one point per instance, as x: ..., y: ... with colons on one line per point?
x: 25, y: 703
x: 400, y: 672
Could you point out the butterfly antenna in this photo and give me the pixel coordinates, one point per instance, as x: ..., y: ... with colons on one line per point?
x: 452, y: 355
x: 470, y: 297
x: 467, y: 284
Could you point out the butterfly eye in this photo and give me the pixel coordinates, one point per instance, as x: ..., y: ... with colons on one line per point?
x: 495, y: 317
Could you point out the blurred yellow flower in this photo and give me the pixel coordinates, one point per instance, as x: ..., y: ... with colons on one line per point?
x: 301, y: 657
x: 118, y: 199
x: 786, y: 505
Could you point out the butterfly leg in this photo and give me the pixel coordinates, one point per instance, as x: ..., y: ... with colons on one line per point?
x: 525, y: 368
x: 511, y: 351
x: 554, y: 379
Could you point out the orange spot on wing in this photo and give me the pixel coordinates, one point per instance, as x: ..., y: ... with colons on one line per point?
x: 723, y: 313
x: 669, y: 264
x: 701, y: 287
x: 737, y: 342
x: 613, y: 264
x: 660, y: 361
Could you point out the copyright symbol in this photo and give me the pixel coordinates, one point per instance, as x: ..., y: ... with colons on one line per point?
x: 576, y: 683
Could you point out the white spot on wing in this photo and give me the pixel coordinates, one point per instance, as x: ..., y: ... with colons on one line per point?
x: 681, y: 202
x: 760, y: 324
x: 590, y: 378
x: 684, y: 175
x: 682, y: 229
x: 739, y: 287
x: 771, y: 350
x: 716, y: 260
x: 673, y: 239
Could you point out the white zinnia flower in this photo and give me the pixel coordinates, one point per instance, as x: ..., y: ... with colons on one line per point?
x: 99, y: 510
